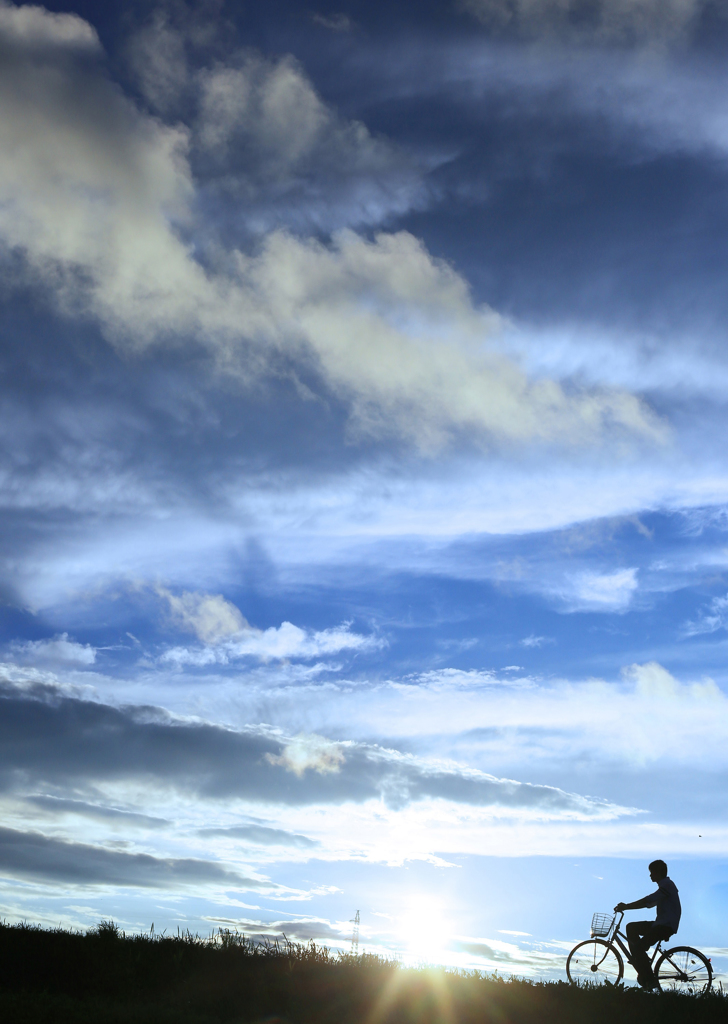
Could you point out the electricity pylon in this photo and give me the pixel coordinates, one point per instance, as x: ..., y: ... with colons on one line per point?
x: 355, y: 935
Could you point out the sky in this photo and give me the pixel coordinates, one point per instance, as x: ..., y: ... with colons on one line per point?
x: 363, y: 372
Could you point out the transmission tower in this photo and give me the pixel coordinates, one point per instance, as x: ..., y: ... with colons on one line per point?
x: 355, y: 934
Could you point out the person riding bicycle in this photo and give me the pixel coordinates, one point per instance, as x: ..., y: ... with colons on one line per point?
x: 643, y: 934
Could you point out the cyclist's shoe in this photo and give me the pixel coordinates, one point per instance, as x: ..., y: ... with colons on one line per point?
x: 647, y: 982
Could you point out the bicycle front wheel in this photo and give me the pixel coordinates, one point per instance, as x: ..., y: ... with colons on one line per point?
x: 594, y: 961
x: 684, y: 969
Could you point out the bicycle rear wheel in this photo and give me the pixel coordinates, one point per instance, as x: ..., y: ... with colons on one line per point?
x: 594, y: 961
x: 684, y: 969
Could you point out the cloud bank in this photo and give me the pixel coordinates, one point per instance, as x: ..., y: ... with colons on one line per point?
x: 52, y: 739
x: 98, y: 204
x: 35, y: 856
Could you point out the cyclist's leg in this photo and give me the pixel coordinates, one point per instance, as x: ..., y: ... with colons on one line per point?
x: 639, y: 936
x: 660, y: 933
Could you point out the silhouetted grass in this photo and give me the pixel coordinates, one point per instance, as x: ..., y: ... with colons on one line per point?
x: 63, y: 977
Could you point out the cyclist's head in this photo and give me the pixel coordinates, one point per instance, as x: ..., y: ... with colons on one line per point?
x: 658, y: 870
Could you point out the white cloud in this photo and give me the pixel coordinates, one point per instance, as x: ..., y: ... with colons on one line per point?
x: 352, y: 522
x: 655, y: 682
x: 394, y: 331
x: 59, y: 650
x: 622, y: 358
x: 426, y: 807
x: 274, y: 643
x: 433, y: 829
x: 273, y: 107
x: 157, y: 58
x: 535, y: 641
x: 607, y: 592
x: 209, y: 616
x: 37, y: 27
x: 87, y: 184
x: 264, y: 139
x: 90, y: 191
x: 309, y: 752
x: 636, y: 720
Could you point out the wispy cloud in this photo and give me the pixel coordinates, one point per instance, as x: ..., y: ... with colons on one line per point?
x: 445, y: 679
x: 260, y: 835
x: 599, y: 592
x: 59, y: 650
x: 637, y: 21
x: 535, y: 641
x: 709, y: 620
x: 334, y: 22
x: 57, y: 806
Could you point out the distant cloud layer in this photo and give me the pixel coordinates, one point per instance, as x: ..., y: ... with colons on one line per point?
x: 116, y: 744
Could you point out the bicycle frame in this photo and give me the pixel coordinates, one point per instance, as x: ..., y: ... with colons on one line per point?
x: 621, y: 940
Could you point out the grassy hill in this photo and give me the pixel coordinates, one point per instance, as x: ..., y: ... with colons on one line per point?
x: 106, y: 977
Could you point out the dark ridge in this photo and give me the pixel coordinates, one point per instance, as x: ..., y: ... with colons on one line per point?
x: 105, y: 975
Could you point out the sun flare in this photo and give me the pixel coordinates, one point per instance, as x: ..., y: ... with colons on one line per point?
x: 424, y: 928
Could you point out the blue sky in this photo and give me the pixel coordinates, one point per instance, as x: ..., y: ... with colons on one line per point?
x: 364, y: 486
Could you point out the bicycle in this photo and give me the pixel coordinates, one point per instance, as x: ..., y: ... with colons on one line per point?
x: 598, y: 960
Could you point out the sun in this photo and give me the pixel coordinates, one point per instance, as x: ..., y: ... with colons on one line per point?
x: 423, y: 928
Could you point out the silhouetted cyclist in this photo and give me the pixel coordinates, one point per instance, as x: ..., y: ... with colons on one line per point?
x: 643, y: 934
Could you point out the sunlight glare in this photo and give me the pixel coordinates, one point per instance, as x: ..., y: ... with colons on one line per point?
x: 424, y: 929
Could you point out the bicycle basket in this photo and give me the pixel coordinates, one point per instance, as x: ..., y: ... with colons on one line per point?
x: 602, y: 924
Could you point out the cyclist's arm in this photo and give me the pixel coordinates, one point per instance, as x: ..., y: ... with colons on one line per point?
x: 646, y: 901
